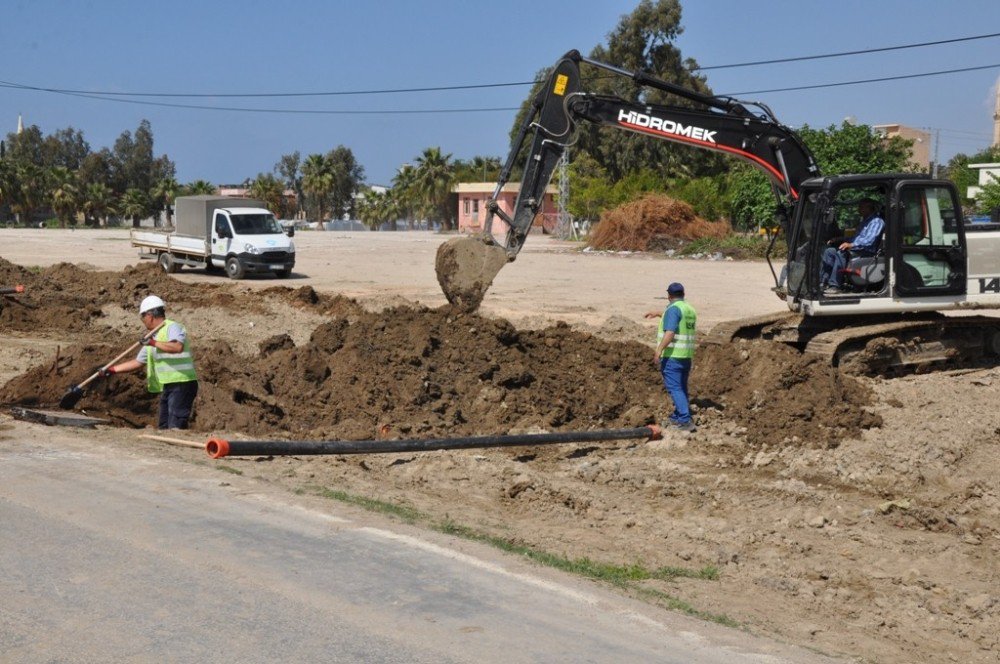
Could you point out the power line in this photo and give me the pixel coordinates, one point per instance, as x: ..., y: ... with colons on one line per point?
x: 845, y: 53
x: 440, y: 88
x: 240, y: 109
x: 859, y: 82
x: 450, y: 88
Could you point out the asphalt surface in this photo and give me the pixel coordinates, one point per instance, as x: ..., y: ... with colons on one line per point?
x: 109, y: 555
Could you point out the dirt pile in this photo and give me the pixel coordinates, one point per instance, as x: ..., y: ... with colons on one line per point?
x: 653, y: 223
x: 465, y: 268
x: 779, y: 397
x: 416, y: 370
x: 410, y: 371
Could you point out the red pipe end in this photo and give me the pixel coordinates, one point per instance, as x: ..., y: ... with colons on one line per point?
x: 217, y: 447
x: 19, y: 288
x: 655, y: 432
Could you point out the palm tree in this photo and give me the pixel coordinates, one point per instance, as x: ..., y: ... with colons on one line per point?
x: 135, y: 204
x: 64, y: 194
x: 8, y: 183
x: 32, y: 191
x: 164, y: 192
x: 97, y: 202
x: 435, y: 177
x: 269, y: 189
x: 199, y: 187
x: 376, y: 208
x: 317, y: 182
x: 405, y: 195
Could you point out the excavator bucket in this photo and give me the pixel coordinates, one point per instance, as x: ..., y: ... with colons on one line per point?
x: 466, y: 267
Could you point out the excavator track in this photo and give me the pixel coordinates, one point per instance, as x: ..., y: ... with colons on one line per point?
x: 875, y: 345
x: 909, y: 346
x: 749, y: 328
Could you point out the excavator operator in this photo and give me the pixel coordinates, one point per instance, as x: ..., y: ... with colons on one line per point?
x: 865, y: 243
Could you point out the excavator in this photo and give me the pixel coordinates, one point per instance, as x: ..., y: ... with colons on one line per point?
x: 890, y: 315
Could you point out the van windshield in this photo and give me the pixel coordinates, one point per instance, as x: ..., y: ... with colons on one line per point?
x: 255, y: 224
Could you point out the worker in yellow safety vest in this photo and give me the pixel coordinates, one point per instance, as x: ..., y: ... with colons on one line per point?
x: 166, y: 356
x: 674, y: 352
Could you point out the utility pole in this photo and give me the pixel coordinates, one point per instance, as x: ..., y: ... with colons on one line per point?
x: 937, y: 144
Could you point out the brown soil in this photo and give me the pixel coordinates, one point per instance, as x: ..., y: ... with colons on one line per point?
x: 853, y: 515
x: 653, y: 223
x: 465, y: 267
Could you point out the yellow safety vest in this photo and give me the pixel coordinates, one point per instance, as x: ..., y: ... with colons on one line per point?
x: 682, y: 347
x: 167, y: 368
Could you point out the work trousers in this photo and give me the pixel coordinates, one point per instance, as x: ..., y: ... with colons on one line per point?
x: 834, y: 261
x: 675, y: 378
x: 176, y: 401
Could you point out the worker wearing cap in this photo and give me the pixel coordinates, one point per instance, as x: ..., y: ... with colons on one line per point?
x: 169, y: 364
x: 674, y: 352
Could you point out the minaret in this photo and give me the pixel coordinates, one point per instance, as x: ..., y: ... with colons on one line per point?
x: 20, y: 124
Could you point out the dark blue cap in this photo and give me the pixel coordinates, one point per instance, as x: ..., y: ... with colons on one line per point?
x: 675, y: 289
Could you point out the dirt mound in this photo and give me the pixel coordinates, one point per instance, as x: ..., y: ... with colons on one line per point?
x: 780, y: 396
x: 410, y: 371
x: 653, y: 223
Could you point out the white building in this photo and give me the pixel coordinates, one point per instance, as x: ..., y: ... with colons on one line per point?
x: 987, y: 173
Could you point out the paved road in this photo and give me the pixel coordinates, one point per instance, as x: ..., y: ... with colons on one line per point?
x: 111, y: 556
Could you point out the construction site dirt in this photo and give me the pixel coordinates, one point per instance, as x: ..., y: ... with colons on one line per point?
x: 858, y: 516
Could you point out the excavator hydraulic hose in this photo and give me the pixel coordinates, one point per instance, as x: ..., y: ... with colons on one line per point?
x: 218, y: 447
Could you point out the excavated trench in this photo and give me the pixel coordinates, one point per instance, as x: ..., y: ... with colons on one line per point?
x: 407, y: 371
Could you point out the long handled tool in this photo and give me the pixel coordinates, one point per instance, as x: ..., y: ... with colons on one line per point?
x: 75, y: 393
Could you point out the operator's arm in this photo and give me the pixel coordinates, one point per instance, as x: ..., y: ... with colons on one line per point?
x: 868, y: 235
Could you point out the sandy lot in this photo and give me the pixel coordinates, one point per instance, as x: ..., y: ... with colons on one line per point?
x: 864, y: 521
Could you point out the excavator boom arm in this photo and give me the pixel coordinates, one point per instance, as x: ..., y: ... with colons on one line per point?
x: 725, y: 125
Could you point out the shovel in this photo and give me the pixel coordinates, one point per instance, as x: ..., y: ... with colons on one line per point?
x: 75, y: 393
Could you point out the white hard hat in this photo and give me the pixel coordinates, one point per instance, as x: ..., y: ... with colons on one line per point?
x: 151, y: 302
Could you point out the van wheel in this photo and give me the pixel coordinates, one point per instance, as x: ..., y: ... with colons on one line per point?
x: 167, y: 263
x: 234, y: 268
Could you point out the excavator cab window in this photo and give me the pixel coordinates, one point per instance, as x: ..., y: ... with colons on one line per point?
x: 931, y: 242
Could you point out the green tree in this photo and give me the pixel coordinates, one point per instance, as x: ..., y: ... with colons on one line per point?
x: 989, y: 197
x: 317, y: 183
x: 97, y: 202
x: 288, y: 168
x: 347, y: 175
x: 266, y: 187
x: 164, y: 193
x: 478, y: 169
x: 64, y: 195
x: 405, y: 194
x: 957, y: 170
x: 199, y: 188
x: 590, y: 188
x: 642, y: 40
x: 434, y: 178
x: 32, y: 191
x: 376, y: 208
x: 134, y: 205
x: 66, y: 148
x: 707, y: 195
x: 134, y: 165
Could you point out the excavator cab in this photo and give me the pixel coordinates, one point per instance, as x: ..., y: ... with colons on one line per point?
x: 921, y: 253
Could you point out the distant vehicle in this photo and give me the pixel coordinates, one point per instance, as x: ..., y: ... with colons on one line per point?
x: 238, y: 235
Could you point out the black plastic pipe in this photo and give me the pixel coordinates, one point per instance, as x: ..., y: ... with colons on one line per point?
x: 218, y: 447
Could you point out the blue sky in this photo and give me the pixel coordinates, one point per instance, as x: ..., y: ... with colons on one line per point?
x: 314, y: 46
